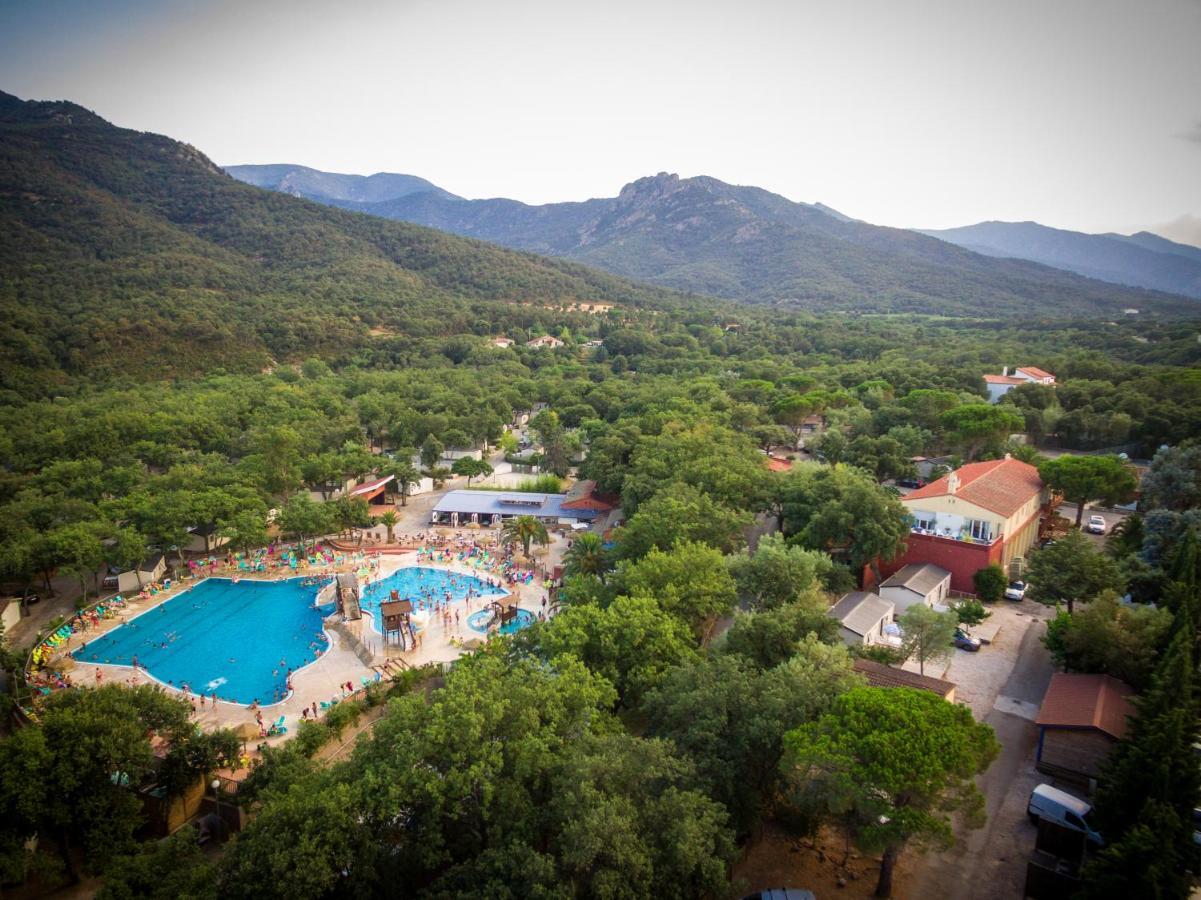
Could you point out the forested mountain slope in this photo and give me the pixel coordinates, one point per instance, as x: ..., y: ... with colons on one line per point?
x: 1142, y: 260
x: 123, y: 253
x: 745, y: 243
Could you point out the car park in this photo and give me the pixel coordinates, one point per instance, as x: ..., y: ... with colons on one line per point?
x: 1060, y: 807
x: 1096, y: 525
x: 965, y: 641
x: 1016, y: 590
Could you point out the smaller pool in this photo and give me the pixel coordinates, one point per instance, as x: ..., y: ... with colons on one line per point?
x: 478, y: 621
x: 423, y: 586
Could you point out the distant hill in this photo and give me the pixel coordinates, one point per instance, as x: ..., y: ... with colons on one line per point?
x: 1140, y: 260
x: 301, y: 181
x: 125, y: 254
x: 744, y: 243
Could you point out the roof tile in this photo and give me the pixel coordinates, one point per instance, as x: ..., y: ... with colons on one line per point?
x: 1087, y: 701
x: 999, y: 485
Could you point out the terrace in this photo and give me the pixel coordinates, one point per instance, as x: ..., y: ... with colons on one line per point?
x: 951, y: 527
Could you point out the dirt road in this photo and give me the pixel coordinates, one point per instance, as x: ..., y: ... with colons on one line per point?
x: 991, y: 862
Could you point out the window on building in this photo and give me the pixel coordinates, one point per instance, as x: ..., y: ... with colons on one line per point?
x: 980, y: 529
x: 923, y: 520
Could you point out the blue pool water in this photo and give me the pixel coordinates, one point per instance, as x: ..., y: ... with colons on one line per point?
x: 422, y: 585
x: 223, y: 636
x: 478, y: 621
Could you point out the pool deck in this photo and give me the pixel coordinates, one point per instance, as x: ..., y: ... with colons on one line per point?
x: 324, y: 678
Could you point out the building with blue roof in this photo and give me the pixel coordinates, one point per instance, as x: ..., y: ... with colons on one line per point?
x: 493, y: 507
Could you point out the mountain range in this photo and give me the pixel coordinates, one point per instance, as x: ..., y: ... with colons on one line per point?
x: 745, y: 243
x: 1141, y: 260
x: 125, y: 254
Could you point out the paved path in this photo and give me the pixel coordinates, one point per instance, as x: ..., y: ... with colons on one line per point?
x: 990, y: 862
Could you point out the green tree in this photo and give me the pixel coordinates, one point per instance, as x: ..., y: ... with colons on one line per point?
x: 766, y: 639
x: 587, y: 556
x: 79, y: 550
x: 552, y: 438
x: 1109, y: 637
x: 471, y: 468
x: 889, y: 764
x: 990, y: 583
x: 842, y: 511
x: 972, y: 426
x: 1174, y: 479
x: 681, y: 512
x: 349, y: 514
x: 777, y: 574
x: 1084, y: 478
x: 405, y: 473
x: 431, y: 451
x: 729, y: 718
x: 969, y: 612
x: 631, y: 643
x: 1069, y: 571
x: 127, y: 550
x: 303, y: 518
x: 927, y: 634
x: 1151, y: 784
x: 174, y: 868
x: 389, y: 520
x: 66, y: 779
x: 245, y: 530
x: 524, y: 530
x: 690, y: 581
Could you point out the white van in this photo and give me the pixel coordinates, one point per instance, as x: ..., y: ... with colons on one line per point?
x: 1058, y: 806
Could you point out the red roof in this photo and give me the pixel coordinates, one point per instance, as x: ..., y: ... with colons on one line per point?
x: 1035, y: 372
x: 1000, y: 485
x: 583, y: 495
x: 370, y: 487
x: 1087, y: 701
x: 1003, y: 379
x: 777, y: 464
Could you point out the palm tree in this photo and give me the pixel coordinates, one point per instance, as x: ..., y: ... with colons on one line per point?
x: 587, y: 556
x: 525, y: 530
x: 388, y: 520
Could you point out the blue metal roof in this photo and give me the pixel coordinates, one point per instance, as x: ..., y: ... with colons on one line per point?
x: 505, y: 503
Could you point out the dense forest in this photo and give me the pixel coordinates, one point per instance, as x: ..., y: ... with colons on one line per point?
x: 187, y: 351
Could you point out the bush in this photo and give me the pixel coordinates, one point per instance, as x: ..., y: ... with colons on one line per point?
x: 991, y: 583
x: 345, y: 713
x: 310, y: 737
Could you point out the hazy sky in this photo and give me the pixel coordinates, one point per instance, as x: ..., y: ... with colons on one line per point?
x: 1077, y: 113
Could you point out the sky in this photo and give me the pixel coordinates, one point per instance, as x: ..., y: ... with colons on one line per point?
x: 1082, y: 114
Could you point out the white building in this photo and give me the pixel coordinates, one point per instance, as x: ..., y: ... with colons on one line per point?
x: 1000, y: 385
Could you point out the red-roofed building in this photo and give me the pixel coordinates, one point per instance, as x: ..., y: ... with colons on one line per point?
x: 583, y: 495
x: 372, y: 490
x: 778, y: 464
x: 980, y: 514
x: 1081, y: 718
x: 1000, y: 385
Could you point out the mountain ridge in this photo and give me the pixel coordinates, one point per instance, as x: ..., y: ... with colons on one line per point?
x: 1142, y: 260
x: 126, y: 254
x: 702, y: 235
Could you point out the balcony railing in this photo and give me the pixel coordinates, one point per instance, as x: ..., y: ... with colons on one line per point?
x: 946, y: 535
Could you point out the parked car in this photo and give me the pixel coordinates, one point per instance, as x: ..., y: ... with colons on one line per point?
x: 910, y: 483
x: 1096, y: 525
x: 1016, y: 590
x: 1058, y: 806
x: 965, y: 641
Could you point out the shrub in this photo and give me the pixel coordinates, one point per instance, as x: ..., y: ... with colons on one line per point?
x: 990, y: 583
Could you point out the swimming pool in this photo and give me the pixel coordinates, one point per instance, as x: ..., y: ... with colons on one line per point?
x: 422, y: 585
x: 235, y: 638
x: 478, y: 621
